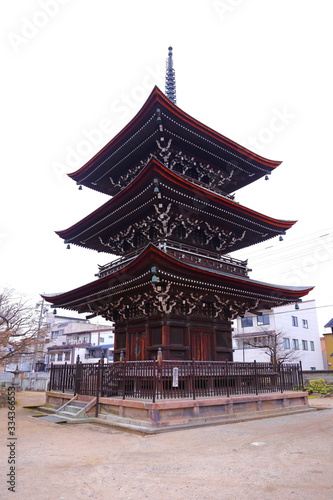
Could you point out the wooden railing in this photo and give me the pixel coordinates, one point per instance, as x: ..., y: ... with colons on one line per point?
x: 182, y: 251
x: 174, y: 379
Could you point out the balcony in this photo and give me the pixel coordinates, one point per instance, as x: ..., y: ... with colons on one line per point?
x: 205, y: 258
x: 186, y: 253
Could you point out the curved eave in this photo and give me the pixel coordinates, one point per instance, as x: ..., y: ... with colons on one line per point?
x: 157, y: 98
x: 98, y: 289
x: 153, y: 169
x: 214, y: 276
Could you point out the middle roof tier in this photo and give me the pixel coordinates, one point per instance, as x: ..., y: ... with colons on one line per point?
x: 159, y: 204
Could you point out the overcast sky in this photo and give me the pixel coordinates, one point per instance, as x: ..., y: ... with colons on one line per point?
x: 75, y: 71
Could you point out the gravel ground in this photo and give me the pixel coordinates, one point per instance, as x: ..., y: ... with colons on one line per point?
x: 289, y: 457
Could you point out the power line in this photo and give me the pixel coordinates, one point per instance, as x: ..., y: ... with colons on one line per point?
x: 284, y: 254
x: 296, y: 242
x: 269, y: 264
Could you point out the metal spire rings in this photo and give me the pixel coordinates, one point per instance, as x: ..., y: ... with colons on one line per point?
x: 170, y: 79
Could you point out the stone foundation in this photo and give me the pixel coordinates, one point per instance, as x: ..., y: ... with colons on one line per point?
x: 148, y: 417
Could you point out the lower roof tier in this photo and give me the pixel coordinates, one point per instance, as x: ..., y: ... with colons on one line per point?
x: 157, y: 282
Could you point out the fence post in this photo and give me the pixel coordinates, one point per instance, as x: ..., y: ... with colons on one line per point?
x: 159, y: 382
x: 78, y: 377
x: 227, y: 377
x: 64, y: 376
x: 193, y: 378
x: 123, y: 365
x: 51, y: 377
x: 101, y: 380
x: 274, y: 378
x: 154, y: 379
x: 255, y: 376
x: 98, y: 386
x: 281, y: 376
x: 300, y: 377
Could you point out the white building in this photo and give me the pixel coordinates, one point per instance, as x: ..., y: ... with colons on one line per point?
x: 65, y: 338
x: 73, y: 337
x: 297, y: 330
x: 88, y: 345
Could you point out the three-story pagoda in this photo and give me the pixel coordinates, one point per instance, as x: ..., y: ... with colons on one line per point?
x: 172, y: 220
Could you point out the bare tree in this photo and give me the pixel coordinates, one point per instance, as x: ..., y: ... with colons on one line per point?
x: 272, y: 343
x: 21, y: 331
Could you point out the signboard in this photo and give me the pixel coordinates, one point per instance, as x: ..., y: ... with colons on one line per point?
x: 175, y: 377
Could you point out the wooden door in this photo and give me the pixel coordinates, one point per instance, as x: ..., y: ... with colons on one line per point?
x: 201, y: 345
x: 137, y: 346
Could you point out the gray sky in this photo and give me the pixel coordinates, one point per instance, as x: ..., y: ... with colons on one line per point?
x: 75, y: 71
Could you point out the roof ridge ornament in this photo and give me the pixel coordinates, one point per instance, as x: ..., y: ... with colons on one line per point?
x: 170, y: 79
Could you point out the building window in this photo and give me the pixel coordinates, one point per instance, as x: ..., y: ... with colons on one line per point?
x: 295, y: 344
x: 305, y: 345
x: 85, y: 340
x: 101, y: 339
x: 305, y: 323
x: 247, y: 322
x: 312, y: 347
x: 263, y: 320
x: 56, y: 333
x: 60, y: 356
x: 286, y: 343
x: 256, y: 341
x: 67, y: 356
x: 294, y: 321
x: 52, y: 357
x: 312, y: 368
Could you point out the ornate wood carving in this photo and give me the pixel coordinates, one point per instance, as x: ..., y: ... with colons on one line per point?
x: 182, y: 163
x: 130, y: 175
x: 168, y: 298
x: 166, y: 223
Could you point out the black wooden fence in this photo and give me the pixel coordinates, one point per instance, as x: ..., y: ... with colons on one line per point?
x: 174, y: 379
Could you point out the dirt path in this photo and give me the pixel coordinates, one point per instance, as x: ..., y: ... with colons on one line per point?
x: 288, y: 457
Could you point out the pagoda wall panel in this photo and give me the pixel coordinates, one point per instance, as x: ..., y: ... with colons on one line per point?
x: 178, y: 337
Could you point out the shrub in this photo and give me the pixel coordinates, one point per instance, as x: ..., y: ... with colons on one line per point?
x: 319, y: 386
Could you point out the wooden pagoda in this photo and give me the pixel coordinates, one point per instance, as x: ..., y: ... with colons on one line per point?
x: 172, y: 220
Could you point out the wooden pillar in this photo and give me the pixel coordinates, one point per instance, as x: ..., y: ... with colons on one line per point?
x: 127, y: 344
x: 187, y: 338
x: 214, y: 344
x: 166, y: 339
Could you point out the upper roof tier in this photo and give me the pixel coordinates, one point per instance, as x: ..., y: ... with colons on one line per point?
x: 183, y: 143
x: 160, y: 204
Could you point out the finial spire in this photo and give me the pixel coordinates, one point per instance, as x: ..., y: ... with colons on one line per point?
x: 170, y: 79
